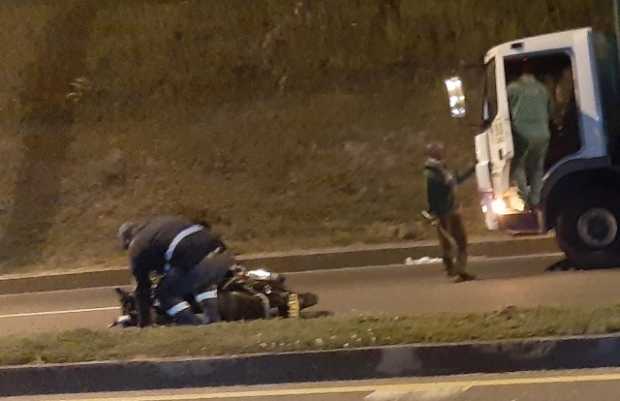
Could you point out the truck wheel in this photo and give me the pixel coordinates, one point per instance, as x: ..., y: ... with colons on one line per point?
x: 588, y: 230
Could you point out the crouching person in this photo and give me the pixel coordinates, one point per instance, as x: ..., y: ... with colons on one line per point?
x: 187, y: 257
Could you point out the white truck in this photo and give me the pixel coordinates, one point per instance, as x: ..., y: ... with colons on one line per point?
x: 581, y: 193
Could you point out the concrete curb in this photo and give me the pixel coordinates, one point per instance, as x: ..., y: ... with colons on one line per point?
x: 355, y: 364
x: 333, y: 258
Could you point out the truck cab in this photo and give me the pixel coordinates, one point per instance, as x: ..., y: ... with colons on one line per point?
x: 580, y: 197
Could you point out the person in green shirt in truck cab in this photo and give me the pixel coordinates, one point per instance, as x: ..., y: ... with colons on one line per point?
x: 531, y: 112
x: 444, y: 209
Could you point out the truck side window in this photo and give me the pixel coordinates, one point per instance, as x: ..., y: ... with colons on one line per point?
x: 565, y: 139
x: 489, y: 107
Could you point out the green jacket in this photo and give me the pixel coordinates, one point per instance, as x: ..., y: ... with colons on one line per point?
x: 441, y: 187
x: 530, y: 108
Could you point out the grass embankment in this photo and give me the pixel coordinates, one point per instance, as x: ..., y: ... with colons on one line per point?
x: 304, y: 335
x: 285, y: 124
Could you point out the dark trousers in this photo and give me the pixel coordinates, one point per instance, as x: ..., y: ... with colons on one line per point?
x: 453, y: 242
x: 178, y: 283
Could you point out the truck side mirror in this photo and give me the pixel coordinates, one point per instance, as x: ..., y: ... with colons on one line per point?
x: 456, y: 97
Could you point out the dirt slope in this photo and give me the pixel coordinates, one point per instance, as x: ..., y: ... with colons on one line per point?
x: 287, y: 124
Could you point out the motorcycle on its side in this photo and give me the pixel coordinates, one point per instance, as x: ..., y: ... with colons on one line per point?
x: 245, y: 295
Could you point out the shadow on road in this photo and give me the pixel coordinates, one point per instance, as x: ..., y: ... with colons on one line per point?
x: 563, y: 266
x: 566, y: 265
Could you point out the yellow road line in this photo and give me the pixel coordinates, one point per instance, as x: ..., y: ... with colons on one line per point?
x: 369, y: 388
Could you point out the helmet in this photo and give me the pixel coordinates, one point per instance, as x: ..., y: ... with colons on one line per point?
x: 125, y: 234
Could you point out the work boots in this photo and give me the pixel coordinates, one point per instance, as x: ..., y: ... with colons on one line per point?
x: 210, y: 305
x: 186, y: 318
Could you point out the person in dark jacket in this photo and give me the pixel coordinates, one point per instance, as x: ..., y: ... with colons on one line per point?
x: 442, y: 204
x: 189, y: 258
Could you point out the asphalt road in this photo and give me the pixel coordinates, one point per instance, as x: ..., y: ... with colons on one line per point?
x: 521, y: 281
x: 598, y: 385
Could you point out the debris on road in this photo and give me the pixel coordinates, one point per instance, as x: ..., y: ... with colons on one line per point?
x: 422, y: 261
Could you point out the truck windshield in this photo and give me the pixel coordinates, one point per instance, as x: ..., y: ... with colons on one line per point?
x: 489, y: 105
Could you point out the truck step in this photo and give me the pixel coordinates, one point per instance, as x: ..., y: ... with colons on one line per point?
x: 521, y: 223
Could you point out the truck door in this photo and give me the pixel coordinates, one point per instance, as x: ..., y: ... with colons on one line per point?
x: 496, y: 115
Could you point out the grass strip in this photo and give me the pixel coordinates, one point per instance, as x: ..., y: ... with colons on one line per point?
x: 304, y: 335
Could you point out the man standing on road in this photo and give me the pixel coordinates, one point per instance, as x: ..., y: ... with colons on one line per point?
x: 530, y: 109
x: 184, y: 253
x: 442, y: 204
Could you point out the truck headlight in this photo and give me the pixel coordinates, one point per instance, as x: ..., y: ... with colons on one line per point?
x: 498, y: 206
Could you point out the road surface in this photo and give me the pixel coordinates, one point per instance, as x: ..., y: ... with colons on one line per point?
x: 521, y: 281
x: 595, y: 385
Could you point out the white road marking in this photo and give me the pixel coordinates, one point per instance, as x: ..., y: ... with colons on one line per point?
x: 59, y: 312
x: 441, y: 392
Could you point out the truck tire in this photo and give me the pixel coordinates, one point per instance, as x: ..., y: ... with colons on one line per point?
x: 588, y: 230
